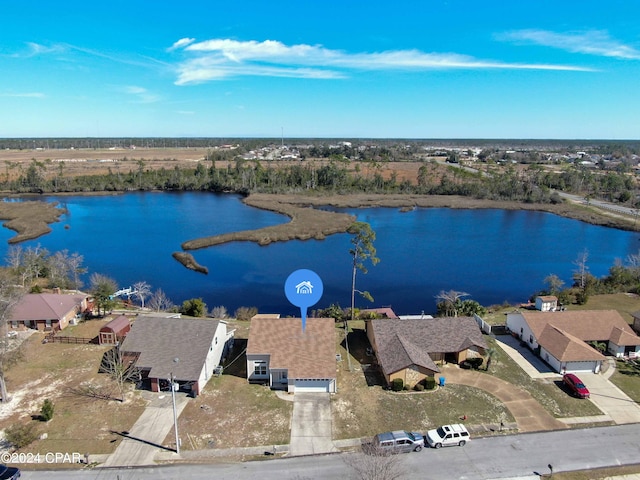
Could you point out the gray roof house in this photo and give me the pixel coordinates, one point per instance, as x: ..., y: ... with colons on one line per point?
x: 411, y: 349
x: 189, y: 349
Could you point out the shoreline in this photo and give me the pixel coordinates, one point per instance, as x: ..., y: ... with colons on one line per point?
x: 31, y: 219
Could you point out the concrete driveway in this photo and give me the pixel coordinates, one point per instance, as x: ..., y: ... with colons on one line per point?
x: 610, y: 399
x: 141, y: 444
x: 311, y: 425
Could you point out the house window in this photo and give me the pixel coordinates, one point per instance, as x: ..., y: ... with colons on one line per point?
x: 260, y: 368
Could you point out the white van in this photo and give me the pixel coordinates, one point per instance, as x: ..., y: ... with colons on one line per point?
x: 448, y: 435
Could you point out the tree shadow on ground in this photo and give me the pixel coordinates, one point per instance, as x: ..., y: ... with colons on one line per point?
x: 360, y: 350
x: 236, y: 362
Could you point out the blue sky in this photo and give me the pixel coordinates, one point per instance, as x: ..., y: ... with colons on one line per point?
x: 352, y: 69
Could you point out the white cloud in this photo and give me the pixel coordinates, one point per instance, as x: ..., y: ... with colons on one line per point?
x: 38, y: 49
x: 217, y: 59
x: 141, y: 94
x: 183, y: 42
x: 592, y: 42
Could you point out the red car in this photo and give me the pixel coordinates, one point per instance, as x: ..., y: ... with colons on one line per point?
x: 575, y: 385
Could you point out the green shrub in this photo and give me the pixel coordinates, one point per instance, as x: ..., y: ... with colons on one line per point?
x: 46, y: 412
x: 475, y: 362
x: 397, y: 384
x: 419, y: 387
x: 21, y: 435
x: 429, y: 383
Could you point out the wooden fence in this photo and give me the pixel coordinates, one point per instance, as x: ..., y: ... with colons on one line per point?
x: 81, y: 340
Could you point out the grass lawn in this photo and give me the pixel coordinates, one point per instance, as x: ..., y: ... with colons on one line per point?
x: 230, y: 412
x: 624, y: 303
x: 627, y: 379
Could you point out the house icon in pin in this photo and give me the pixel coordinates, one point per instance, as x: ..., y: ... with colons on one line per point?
x: 304, y: 288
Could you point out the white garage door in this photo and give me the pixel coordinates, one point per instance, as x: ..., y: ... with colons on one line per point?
x: 581, y: 366
x: 305, y: 385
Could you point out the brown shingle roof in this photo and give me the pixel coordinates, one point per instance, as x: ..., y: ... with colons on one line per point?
x: 566, y: 347
x: 311, y: 354
x: 116, y: 325
x: 402, y: 343
x: 160, y: 340
x: 45, y: 306
x: 587, y: 325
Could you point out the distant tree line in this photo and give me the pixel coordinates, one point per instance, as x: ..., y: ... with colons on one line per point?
x: 338, y: 173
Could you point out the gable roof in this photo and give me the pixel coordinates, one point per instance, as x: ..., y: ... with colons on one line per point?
x: 400, y: 352
x: 566, y: 347
x: 45, y: 306
x: 402, y: 343
x: 121, y: 322
x: 587, y: 325
x: 308, y: 354
x: 160, y: 340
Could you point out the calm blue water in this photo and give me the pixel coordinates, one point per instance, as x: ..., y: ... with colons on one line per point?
x: 494, y: 255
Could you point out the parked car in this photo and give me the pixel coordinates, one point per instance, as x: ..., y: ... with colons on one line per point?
x: 9, y: 473
x: 448, y: 435
x: 575, y: 385
x: 398, y: 441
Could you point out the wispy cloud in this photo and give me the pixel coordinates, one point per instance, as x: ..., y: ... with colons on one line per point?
x: 592, y: 42
x: 39, y: 49
x: 217, y: 59
x: 183, y: 42
x: 23, y: 95
x: 140, y: 94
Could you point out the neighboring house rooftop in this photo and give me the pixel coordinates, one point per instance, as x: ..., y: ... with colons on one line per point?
x: 45, y: 306
x: 308, y: 354
x: 566, y: 347
x: 403, y: 343
x: 548, y: 298
x: 386, y: 312
x: 586, y: 325
x: 160, y: 340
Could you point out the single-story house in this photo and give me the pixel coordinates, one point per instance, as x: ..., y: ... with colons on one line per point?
x: 114, y: 332
x: 560, y: 338
x: 283, y: 356
x: 187, y: 349
x: 47, y: 311
x: 411, y: 349
x: 547, y: 303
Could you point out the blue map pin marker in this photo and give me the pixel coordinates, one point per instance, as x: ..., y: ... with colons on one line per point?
x: 303, y: 289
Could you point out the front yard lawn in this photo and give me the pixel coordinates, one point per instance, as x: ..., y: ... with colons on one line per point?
x: 362, y: 407
x: 627, y: 378
x: 230, y: 412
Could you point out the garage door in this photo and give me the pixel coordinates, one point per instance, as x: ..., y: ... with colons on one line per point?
x: 305, y: 385
x: 581, y: 366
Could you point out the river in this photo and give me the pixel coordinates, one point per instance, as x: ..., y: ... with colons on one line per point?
x: 493, y: 255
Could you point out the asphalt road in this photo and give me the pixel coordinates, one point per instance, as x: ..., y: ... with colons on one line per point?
x: 487, y: 458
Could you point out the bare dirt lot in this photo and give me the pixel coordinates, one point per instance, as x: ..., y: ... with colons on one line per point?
x: 56, y: 371
x: 89, y: 161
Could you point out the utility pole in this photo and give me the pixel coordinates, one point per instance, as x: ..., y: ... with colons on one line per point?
x: 175, y: 411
